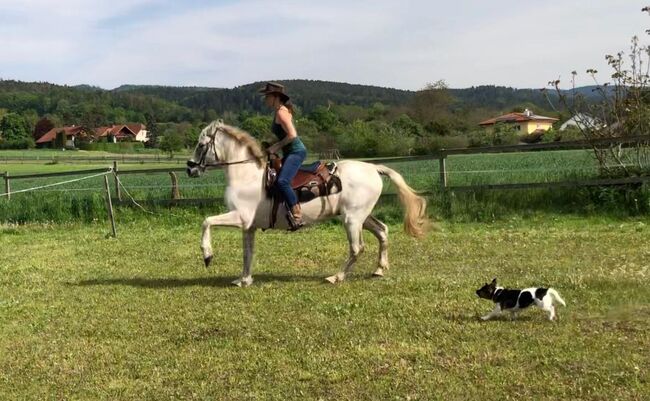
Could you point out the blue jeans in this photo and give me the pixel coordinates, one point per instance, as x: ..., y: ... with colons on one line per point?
x: 290, y: 165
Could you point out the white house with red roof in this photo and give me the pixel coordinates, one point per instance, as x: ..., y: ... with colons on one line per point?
x: 122, y: 132
x: 73, y: 134
x: 525, y: 123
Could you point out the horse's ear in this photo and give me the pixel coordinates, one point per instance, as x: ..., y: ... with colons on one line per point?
x: 494, y: 281
x: 219, y: 122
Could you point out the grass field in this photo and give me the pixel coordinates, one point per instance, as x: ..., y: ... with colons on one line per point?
x: 139, y: 318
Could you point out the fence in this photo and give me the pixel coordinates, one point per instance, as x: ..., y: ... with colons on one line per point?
x: 441, y: 156
x: 126, y: 158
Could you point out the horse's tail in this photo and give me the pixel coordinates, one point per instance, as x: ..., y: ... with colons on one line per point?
x: 415, y: 218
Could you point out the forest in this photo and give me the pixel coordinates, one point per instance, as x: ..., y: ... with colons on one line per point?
x: 357, y: 120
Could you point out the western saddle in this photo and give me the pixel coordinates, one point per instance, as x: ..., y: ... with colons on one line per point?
x: 312, y: 181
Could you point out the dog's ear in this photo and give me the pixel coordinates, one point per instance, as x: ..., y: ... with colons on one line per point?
x: 494, y: 281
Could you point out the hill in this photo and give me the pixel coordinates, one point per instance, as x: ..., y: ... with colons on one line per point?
x: 94, y: 106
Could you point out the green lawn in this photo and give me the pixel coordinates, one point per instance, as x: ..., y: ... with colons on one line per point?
x: 83, y: 317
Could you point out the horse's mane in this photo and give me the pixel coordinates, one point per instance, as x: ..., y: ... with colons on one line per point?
x: 243, y: 138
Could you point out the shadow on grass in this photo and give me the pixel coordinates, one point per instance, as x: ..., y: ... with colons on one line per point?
x: 221, y: 281
x: 476, y: 318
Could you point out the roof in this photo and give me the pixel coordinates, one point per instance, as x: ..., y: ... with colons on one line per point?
x: 582, y: 121
x: 102, y: 131
x: 50, y: 135
x: 119, y: 131
x: 516, y: 118
x: 135, y: 128
x: 122, y: 131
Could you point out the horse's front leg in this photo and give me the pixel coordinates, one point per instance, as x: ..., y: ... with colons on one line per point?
x: 230, y: 219
x: 246, y: 279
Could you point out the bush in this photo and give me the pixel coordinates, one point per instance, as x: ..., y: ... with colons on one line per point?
x: 434, y: 143
x: 499, y: 135
x: 25, y: 143
x: 373, y: 138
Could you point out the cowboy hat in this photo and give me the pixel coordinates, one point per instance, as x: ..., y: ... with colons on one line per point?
x: 274, y: 88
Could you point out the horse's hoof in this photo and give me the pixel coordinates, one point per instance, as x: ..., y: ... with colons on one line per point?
x: 337, y: 278
x: 207, y: 261
x: 379, y: 272
x: 243, y: 282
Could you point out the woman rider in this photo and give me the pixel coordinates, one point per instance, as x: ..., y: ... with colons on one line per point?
x: 293, y: 150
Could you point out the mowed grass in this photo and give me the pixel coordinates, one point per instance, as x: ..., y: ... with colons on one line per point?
x: 139, y: 318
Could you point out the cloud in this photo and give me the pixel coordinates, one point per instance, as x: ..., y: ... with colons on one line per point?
x: 226, y: 43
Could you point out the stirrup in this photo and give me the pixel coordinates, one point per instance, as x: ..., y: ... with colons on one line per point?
x: 293, y: 223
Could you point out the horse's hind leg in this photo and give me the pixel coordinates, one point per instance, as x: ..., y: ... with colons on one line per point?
x: 380, y: 231
x: 353, y: 229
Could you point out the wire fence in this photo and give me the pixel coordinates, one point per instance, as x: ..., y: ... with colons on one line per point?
x: 448, y: 170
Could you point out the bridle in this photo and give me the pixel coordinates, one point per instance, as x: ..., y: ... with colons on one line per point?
x: 203, y: 165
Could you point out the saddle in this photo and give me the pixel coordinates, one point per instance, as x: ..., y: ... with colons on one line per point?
x: 312, y: 181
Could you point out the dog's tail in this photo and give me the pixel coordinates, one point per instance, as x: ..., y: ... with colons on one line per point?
x: 554, y: 294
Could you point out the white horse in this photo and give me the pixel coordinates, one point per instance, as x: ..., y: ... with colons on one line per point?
x: 250, y: 207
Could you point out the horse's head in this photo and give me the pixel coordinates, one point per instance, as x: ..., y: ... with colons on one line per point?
x: 206, y: 152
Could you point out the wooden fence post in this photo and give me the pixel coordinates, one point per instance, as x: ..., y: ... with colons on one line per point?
x: 118, y: 191
x: 176, y: 194
x: 443, y: 170
x: 110, y: 206
x: 7, y: 186
x: 446, y: 193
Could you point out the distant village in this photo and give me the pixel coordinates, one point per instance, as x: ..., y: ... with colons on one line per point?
x: 68, y: 137
x: 525, y: 123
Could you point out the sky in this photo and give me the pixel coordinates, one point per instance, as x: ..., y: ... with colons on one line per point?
x: 398, y: 44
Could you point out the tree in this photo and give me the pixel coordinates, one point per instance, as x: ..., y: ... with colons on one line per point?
x: 152, y: 131
x: 324, y: 117
x: 623, y: 109
x: 258, y: 126
x: 42, y: 126
x: 171, y: 141
x: 14, y: 128
x: 432, y: 103
x: 405, y: 124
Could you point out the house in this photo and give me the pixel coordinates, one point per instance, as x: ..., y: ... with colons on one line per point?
x: 580, y: 121
x: 122, y: 132
x: 140, y: 131
x: 524, y: 123
x: 67, y: 136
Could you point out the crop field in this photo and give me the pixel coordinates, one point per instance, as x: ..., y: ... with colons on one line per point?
x: 86, y: 317
x: 6, y: 156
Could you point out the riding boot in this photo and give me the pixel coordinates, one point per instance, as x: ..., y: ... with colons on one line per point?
x: 294, y: 216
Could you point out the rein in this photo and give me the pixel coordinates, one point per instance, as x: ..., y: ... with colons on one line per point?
x: 219, y: 164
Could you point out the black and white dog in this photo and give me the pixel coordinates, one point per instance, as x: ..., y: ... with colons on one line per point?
x: 515, y: 300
